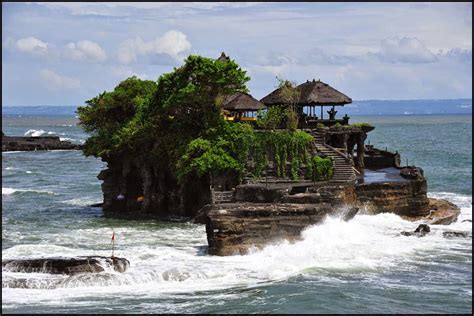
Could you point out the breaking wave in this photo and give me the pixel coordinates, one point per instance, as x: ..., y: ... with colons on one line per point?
x: 10, y: 191
x: 171, y: 260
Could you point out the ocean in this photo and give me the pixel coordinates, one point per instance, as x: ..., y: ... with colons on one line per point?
x: 360, y: 266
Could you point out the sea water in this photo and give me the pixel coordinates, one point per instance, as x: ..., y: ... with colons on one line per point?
x: 360, y: 266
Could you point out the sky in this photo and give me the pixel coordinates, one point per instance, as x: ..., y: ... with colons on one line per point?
x: 67, y: 53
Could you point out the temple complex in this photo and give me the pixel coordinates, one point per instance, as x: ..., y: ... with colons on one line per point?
x: 248, y: 209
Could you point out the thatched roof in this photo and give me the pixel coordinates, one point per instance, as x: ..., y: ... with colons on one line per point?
x: 311, y: 93
x: 223, y: 57
x: 320, y: 93
x: 275, y: 98
x: 242, y: 102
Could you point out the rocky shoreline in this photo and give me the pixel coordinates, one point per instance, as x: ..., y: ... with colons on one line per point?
x: 30, y: 143
x: 260, y: 214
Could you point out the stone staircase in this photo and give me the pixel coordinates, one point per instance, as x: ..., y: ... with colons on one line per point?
x: 343, y: 169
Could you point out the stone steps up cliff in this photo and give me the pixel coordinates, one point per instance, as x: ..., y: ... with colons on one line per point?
x: 343, y: 169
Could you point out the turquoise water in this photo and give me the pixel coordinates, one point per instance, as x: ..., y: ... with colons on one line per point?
x: 362, y: 266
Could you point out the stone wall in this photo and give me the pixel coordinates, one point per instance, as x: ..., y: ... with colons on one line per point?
x: 402, y: 198
x: 376, y: 158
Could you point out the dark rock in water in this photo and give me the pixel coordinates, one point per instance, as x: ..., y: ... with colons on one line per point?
x: 96, y: 205
x: 454, y: 234
x: 441, y: 212
x: 350, y: 214
x: 82, y: 264
x: 467, y: 220
x: 420, y: 231
x: 30, y: 143
x: 422, y: 228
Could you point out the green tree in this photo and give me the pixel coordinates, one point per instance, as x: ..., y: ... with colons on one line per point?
x: 291, y: 94
x: 187, y: 105
x: 157, y: 121
x: 108, y: 113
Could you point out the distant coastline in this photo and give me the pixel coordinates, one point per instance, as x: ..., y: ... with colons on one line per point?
x: 362, y: 107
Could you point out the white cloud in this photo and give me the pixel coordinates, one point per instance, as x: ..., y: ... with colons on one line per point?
x: 85, y: 50
x: 31, y: 45
x: 172, y: 43
x: 54, y: 81
x: 405, y: 50
x: 462, y: 55
x: 125, y: 8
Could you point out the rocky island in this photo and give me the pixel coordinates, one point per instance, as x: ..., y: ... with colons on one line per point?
x: 32, y: 143
x: 195, y: 144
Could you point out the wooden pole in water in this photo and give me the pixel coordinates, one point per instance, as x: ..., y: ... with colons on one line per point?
x: 113, y: 243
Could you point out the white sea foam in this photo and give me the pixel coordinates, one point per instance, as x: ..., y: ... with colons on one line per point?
x: 9, y: 191
x: 36, y: 133
x: 82, y: 201
x: 67, y: 139
x: 165, y: 261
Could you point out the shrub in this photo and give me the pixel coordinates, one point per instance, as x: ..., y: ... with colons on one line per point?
x: 271, y: 119
x: 320, y: 168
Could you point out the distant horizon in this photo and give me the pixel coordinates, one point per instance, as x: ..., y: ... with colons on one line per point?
x: 357, y: 107
x: 365, y: 100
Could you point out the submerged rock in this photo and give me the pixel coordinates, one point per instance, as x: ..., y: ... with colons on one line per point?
x: 59, y: 265
x: 456, y: 234
x: 420, y: 231
x: 350, y: 214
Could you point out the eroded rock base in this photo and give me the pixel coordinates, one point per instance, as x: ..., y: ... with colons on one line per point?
x: 234, y: 228
x: 92, y: 264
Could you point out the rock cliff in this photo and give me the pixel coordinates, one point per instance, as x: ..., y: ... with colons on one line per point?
x: 30, y: 143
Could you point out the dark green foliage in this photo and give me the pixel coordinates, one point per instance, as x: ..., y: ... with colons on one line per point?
x: 291, y: 119
x: 177, y: 124
x: 224, y: 149
x: 157, y: 121
x: 108, y: 116
x: 281, y: 147
x: 320, y: 168
x: 272, y: 118
x: 290, y: 93
x: 186, y: 105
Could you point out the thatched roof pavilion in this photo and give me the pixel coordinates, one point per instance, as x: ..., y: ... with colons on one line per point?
x: 240, y: 106
x: 320, y: 93
x: 312, y: 93
x: 276, y: 97
x: 242, y: 102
